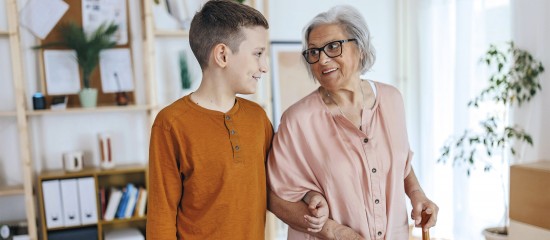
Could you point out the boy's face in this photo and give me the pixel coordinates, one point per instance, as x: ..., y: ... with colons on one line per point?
x: 245, y: 68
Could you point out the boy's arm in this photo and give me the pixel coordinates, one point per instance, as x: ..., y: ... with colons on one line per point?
x: 165, y: 186
x: 292, y: 213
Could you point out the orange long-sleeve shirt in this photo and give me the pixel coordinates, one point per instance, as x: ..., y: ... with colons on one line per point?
x: 207, y: 172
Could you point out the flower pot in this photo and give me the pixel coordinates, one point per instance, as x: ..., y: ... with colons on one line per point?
x: 88, y: 97
x: 495, y: 233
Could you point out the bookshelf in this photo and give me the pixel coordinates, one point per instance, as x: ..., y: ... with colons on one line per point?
x: 15, y: 116
x: 117, y: 177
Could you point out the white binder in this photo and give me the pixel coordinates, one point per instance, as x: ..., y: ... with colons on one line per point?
x: 88, y: 200
x: 51, y: 192
x: 69, y: 196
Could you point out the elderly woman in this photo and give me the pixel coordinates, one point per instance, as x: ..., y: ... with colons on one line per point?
x: 347, y: 140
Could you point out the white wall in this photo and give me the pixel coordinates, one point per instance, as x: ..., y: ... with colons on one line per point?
x: 288, y: 17
x: 531, y: 31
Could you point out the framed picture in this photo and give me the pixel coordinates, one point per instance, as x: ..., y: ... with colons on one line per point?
x: 291, y: 81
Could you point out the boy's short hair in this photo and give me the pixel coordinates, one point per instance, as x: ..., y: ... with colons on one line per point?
x: 220, y: 21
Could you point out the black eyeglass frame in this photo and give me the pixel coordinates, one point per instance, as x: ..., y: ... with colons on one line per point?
x: 305, y: 53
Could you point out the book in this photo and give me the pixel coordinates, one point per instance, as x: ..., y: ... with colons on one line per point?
x: 132, y: 199
x: 142, y: 195
x: 143, y: 203
x: 102, y: 202
x: 112, y: 205
x: 122, y: 205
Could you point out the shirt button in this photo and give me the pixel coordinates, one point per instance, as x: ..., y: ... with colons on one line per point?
x: 232, y: 132
x: 379, y: 233
x: 237, y: 148
x: 377, y: 201
x: 374, y: 170
x: 227, y: 118
x: 366, y: 140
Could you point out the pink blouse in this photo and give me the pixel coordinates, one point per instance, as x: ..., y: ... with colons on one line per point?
x: 360, y: 173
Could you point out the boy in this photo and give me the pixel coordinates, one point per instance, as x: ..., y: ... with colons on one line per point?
x: 208, y: 149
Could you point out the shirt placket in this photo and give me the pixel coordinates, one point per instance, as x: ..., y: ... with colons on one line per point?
x: 377, y: 225
x: 233, y: 138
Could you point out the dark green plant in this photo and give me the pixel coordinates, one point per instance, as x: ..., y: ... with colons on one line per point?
x: 515, y: 81
x: 87, y: 47
x: 240, y: 1
x: 184, y: 71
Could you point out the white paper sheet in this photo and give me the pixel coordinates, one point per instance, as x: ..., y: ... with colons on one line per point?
x: 116, y: 70
x: 62, y: 75
x: 40, y: 16
x: 97, y: 12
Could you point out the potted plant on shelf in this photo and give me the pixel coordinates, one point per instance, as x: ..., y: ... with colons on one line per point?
x: 515, y: 81
x: 87, y: 53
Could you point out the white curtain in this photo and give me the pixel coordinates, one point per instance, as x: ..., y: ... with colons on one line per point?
x: 531, y: 31
x: 442, y: 43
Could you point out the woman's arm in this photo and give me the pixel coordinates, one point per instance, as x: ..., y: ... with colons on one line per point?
x: 420, y: 202
x: 292, y: 213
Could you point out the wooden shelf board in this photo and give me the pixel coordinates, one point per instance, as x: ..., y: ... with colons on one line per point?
x: 126, y: 220
x: 62, y: 174
x: 171, y: 33
x: 4, y: 33
x: 72, y: 227
x: 12, y: 190
x: 129, y: 108
x: 8, y: 114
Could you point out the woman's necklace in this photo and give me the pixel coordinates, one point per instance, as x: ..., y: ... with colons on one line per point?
x: 342, y: 112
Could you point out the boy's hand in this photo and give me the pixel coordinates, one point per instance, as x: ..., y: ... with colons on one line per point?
x: 318, y: 207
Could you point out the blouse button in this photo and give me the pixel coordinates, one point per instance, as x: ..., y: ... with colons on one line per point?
x: 237, y: 148
x: 366, y: 140
x: 232, y: 132
x: 227, y: 118
x: 377, y: 201
x: 379, y: 233
x: 374, y: 170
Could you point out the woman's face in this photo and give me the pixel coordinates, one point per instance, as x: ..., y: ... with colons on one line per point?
x: 337, y: 72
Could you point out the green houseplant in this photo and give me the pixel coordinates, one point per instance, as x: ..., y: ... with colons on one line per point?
x: 185, y: 76
x: 514, y: 81
x: 87, y: 52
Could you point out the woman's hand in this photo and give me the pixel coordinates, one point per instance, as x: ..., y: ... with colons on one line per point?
x: 318, y: 207
x: 421, y: 203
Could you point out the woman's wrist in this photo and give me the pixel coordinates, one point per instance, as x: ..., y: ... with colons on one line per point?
x: 414, y: 191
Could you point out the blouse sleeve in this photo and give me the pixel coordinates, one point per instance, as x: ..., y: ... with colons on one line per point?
x: 290, y: 176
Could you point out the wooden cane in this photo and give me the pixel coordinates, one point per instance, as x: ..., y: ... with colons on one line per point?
x: 425, y: 234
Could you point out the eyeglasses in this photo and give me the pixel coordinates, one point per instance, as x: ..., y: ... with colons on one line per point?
x: 331, y: 49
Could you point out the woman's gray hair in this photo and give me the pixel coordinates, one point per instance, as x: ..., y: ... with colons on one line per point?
x: 353, y: 24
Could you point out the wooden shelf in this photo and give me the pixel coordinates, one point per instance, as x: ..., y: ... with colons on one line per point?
x: 125, y: 220
x: 61, y: 174
x: 8, y: 114
x: 72, y: 227
x: 12, y: 190
x: 4, y: 33
x: 171, y: 33
x: 98, y: 109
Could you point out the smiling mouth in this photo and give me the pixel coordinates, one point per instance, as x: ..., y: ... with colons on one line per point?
x: 329, y: 70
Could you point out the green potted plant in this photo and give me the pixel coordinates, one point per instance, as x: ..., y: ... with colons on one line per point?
x: 185, y: 76
x: 515, y: 81
x: 87, y: 52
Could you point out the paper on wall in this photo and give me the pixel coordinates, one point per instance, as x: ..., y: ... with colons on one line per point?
x: 62, y: 75
x: 97, y: 12
x: 116, y: 70
x: 40, y: 16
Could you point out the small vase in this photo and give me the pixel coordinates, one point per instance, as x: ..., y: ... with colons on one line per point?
x: 88, y: 97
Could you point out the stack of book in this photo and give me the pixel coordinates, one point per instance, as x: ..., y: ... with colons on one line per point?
x: 127, y: 202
